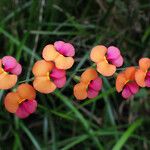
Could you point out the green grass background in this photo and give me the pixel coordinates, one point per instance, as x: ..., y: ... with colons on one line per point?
x: 61, y: 123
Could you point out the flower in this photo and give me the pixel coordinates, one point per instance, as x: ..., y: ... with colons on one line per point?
x: 22, y: 102
x: 107, y: 59
x: 142, y: 75
x: 89, y: 86
x: 126, y: 83
x: 60, y: 53
x: 9, y: 70
x: 47, y: 76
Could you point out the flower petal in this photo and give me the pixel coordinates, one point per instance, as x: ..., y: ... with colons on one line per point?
x: 88, y: 75
x: 126, y: 93
x: 9, y: 62
x: 147, y: 81
x: 11, y: 102
x: 57, y: 73
x: 7, y: 81
x: 62, y: 62
x: 96, y: 84
x: 113, y: 52
x: 144, y: 64
x: 49, y: 53
x: 21, y: 112
x: 30, y: 106
x: 16, y: 70
x: 118, y: 62
x: 26, y: 91
x: 42, y: 67
x: 130, y: 73
x: 98, y: 53
x: 92, y: 93
x: 133, y: 86
x: 105, y: 68
x: 140, y: 77
x: 60, y: 82
x: 80, y: 91
x: 44, y: 85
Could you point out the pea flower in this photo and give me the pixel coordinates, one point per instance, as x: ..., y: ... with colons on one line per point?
x: 9, y: 70
x: 89, y: 86
x: 126, y: 83
x: 106, y: 59
x: 47, y: 76
x: 22, y: 102
x: 60, y: 53
x: 142, y: 75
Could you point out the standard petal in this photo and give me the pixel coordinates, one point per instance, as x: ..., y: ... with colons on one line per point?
x: 44, y: 85
x: 113, y: 52
x: 98, y: 53
x: 9, y: 62
x: 106, y: 69
x: 60, y: 82
x: 16, y: 70
x: 62, y: 62
x: 92, y: 93
x: 120, y: 82
x: 144, y: 64
x: 42, y: 67
x: 80, y: 91
x: 26, y: 91
x: 140, y: 77
x: 88, y: 75
x: 11, y: 102
x: 96, y: 84
x: 49, y: 53
x: 7, y: 81
x: 130, y: 73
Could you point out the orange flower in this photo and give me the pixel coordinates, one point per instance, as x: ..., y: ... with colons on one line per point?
x: 9, y: 70
x: 60, y: 53
x: 107, y: 59
x: 142, y: 75
x: 22, y: 102
x: 47, y: 76
x: 126, y: 83
x: 89, y: 86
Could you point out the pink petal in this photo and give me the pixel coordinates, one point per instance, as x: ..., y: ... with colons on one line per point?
x: 17, y: 70
x: 126, y: 93
x: 9, y: 62
x: 148, y: 73
x: 57, y: 73
x: 30, y: 106
x: 96, y: 84
x: 21, y: 112
x: 133, y: 86
x: 65, y: 49
x: 60, y: 82
x: 118, y: 62
x: 113, y: 52
x: 92, y: 93
x: 147, y: 81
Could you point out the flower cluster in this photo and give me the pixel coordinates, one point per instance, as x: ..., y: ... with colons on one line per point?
x: 50, y: 73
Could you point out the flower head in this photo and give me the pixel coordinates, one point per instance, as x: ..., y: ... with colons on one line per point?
x: 47, y: 76
x: 60, y: 53
x: 142, y: 75
x: 9, y: 70
x: 107, y: 59
x: 22, y: 102
x: 126, y: 83
x: 89, y: 86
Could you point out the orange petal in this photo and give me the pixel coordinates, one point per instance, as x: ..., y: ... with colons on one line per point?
x: 120, y: 82
x: 49, y: 53
x: 62, y: 62
x: 44, y: 85
x: 26, y: 91
x: 140, y: 77
x: 80, y: 91
x: 144, y: 63
x: 42, y: 67
x: 130, y: 73
x: 88, y: 75
x: 98, y: 53
x: 106, y: 69
x: 11, y: 102
x: 7, y: 81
